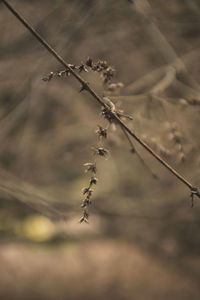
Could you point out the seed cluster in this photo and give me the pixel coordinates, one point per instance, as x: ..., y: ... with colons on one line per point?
x: 101, y: 66
x: 91, y: 167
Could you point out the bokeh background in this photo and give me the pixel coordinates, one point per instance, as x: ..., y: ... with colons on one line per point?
x: 143, y: 238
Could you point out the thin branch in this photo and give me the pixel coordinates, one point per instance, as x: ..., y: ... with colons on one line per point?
x: 113, y: 115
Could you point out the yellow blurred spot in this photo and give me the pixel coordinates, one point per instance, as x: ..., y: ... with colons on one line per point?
x: 38, y: 228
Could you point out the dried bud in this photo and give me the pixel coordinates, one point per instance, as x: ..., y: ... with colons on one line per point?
x: 89, y: 62
x: 103, y: 64
x: 49, y: 77
x: 102, y: 132
x: 86, y: 202
x: 108, y: 74
x: 73, y: 67
x: 100, y: 151
x: 87, y: 191
x: 91, y: 167
x: 93, y: 180
x: 84, y: 218
x: 63, y: 73
x: 82, y: 68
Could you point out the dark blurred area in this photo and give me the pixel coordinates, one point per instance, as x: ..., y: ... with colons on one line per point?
x: 142, y: 241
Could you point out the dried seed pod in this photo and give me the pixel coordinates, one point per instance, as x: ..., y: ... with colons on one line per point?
x: 85, y: 217
x: 93, y: 180
x: 87, y: 190
x: 72, y: 66
x: 48, y: 77
x: 100, y: 151
x: 86, y: 202
x: 108, y: 74
x: 89, y: 62
x: 90, y: 167
x: 103, y: 64
x: 63, y: 73
x: 82, y: 67
x: 107, y: 114
x: 102, y: 132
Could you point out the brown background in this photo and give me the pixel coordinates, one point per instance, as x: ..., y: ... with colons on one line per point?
x: 143, y: 238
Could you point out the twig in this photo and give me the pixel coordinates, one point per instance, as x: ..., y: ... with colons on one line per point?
x: 85, y: 86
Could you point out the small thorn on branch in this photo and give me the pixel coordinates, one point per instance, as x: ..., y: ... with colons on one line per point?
x: 84, y: 87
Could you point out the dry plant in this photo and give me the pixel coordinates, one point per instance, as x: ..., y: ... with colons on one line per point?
x: 175, y: 71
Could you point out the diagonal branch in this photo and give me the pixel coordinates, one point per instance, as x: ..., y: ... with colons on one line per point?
x: 112, y: 114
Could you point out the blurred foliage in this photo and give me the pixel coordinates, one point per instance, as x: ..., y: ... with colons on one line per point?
x: 48, y: 129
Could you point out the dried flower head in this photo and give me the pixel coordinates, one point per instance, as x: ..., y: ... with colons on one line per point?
x: 102, y: 132
x: 108, y: 74
x: 107, y: 114
x: 72, y: 66
x: 100, y: 151
x: 90, y: 167
x: 85, y: 217
x: 86, y: 202
x: 48, y: 77
x: 93, y: 180
x: 87, y: 190
x: 89, y: 62
x: 82, y: 67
